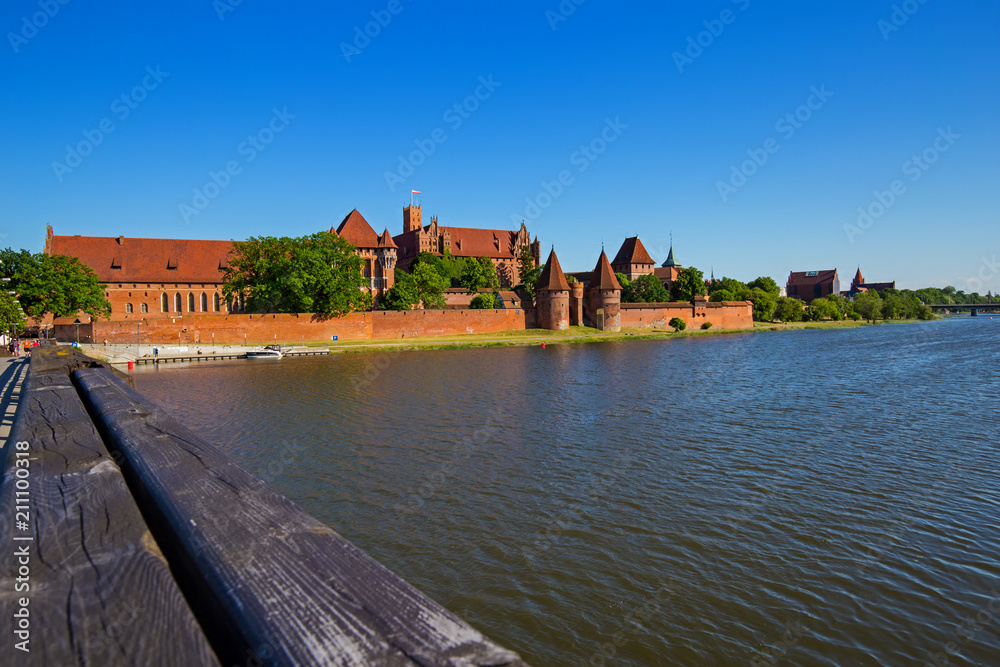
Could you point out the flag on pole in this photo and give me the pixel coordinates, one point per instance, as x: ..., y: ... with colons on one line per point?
x: 414, y: 192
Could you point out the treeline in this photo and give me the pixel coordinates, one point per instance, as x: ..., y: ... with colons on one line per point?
x: 43, y: 284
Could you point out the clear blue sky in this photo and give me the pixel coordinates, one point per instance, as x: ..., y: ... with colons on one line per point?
x: 679, y: 126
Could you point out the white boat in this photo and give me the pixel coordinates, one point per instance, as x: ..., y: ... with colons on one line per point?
x: 269, y: 352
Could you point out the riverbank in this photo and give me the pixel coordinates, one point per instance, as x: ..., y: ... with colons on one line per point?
x: 121, y: 354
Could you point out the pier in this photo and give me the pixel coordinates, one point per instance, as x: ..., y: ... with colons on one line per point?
x: 133, y: 541
x: 166, y: 359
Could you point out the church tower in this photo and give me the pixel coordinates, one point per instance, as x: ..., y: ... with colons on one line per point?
x: 412, y: 218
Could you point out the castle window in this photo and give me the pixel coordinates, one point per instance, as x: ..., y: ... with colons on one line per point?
x: 204, y: 302
x: 165, y: 303
x: 144, y: 308
x: 216, y: 302
x: 177, y: 302
x: 128, y: 307
x: 190, y: 302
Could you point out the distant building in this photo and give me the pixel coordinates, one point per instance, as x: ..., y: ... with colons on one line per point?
x: 501, y: 246
x: 809, y: 285
x: 859, y: 285
x: 150, y: 277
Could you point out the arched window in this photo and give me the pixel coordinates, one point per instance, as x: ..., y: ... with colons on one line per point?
x: 204, y: 302
x: 128, y: 307
x: 216, y: 302
x: 177, y: 302
x: 190, y: 302
x: 165, y: 303
x: 144, y: 308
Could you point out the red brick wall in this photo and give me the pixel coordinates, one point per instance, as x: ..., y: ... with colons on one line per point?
x: 722, y: 315
x: 262, y: 329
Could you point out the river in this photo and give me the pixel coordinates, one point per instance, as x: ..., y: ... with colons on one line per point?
x: 815, y: 497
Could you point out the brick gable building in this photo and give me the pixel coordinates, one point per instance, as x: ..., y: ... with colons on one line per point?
x: 503, y: 247
x: 809, y: 285
x: 378, y: 251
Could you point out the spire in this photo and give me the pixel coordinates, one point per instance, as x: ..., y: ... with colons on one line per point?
x: 552, y: 278
x: 858, y: 280
x: 670, y: 257
x: 603, y: 277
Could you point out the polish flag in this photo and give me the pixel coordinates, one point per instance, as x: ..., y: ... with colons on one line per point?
x: 414, y: 192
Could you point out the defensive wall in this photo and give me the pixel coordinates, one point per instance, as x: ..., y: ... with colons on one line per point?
x: 199, y: 328
x: 722, y: 314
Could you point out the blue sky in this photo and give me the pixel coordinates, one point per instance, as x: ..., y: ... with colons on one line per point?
x: 658, y: 118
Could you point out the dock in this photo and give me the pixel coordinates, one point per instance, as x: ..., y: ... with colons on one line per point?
x: 222, y: 357
x: 132, y: 541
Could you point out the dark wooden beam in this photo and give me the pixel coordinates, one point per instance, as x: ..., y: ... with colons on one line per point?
x: 76, y: 548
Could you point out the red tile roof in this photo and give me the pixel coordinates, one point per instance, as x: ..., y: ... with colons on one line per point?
x: 552, y: 277
x: 121, y: 260
x: 355, y: 230
x: 467, y: 241
x: 385, y: 241
x: 603, y: 277
x: 632, y: 252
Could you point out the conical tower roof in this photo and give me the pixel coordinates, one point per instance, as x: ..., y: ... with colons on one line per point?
x: 603, y: 277
x: 858, y: 279
x: 552, y: 278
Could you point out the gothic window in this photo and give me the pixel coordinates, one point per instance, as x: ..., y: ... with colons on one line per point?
x: 165, y: 303
x: 144, y: 308
x: 204, y: 302
x: 216, y: 302
x: 190, y: 302
x: 128, y: 307
x: 178, y: 302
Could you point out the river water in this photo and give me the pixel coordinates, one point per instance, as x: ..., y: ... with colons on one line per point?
x: 818, y: 497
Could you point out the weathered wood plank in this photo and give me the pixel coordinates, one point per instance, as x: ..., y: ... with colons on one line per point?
x: 98, y: 589
x: 291, y: 589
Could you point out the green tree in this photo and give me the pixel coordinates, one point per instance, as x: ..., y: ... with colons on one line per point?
x: 648, y: 289
x: 320, y: 273
x: 843, y: 305
x: 11, y: 319
x: 764, y: 303
x: 430, y: 286
x: 738, y: 290
x: 484, y: 301
x: 767, y: 284
x: 822, y: 309
x: 789, y: 309
x: 443, y: 266
x: 527, y: 270
x: 403, y: 294
x: 721, y: 295
x: 479, y: 273
x: 56, y: 284
x: 689, y: 284
x: 678, y: 324
x: 868, y: 305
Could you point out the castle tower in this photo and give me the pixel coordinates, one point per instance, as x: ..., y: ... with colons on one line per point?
x: 552, y: 296
x: 412, y: 218
x: 604, y: 297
